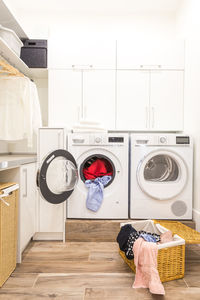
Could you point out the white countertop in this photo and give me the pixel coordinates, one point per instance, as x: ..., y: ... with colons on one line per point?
x: 16, y: 160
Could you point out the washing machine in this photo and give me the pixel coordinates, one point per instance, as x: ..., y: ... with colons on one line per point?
x: 112, y: 149
x: 62, y: 176
x: 161, y: 176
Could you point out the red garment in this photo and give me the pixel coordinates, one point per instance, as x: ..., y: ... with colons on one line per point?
x: 98, y: 168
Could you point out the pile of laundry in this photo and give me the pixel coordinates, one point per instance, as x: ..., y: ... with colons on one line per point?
x: 142, y: 246
x: 98, y: 172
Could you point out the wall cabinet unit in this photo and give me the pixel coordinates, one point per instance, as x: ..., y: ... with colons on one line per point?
x: 150, y: 100
x: 65, y: 97
x: 132, y: 100
x: 27, y: 205
x: 81, y: 53
x: 99, y: 97
x: 141, y: 89
x: 150, y: 54
x: 88, y: 94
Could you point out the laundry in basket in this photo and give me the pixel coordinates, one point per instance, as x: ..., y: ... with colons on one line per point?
x: 171, y: 255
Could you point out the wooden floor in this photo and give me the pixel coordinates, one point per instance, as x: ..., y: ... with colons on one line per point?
x: 89, y: 271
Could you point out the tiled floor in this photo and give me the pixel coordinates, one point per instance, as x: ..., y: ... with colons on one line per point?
x: 89, y: 271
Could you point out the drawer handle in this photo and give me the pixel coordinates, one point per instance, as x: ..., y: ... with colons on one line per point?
x: 25, y: 172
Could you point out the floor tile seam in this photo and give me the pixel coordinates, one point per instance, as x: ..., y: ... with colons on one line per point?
x: 34, y: 282
x: 86, y: 273
x: 186, y: 282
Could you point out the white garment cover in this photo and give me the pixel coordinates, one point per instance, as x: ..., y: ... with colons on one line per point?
x: 20, y: 114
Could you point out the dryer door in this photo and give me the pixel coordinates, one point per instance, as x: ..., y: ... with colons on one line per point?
x: 162, y: 174
x: 57, y: 176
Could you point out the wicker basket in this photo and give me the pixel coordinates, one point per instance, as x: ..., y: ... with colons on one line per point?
x: 190, y: 235
x: 8, y: 229
x: 171, y: 261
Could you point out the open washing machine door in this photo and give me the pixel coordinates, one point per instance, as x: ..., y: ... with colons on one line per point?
x: 162, y: 174
x: 57, y: 176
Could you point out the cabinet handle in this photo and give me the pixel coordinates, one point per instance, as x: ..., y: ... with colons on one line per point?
x: 153, y: 116
x: 78, y: 113
x: 59, y: 134
x: 147, y: 119
x: 82, y: 67
x: 85, y: 112
x: 151, y: 66
x: 25, y: 174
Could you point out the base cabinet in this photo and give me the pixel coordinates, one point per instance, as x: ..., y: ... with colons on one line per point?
x: 27, y: 206
x: 50, y: 222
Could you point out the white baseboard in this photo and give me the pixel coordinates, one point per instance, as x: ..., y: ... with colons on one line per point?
x: 196, y: 218
x: 48, y: 236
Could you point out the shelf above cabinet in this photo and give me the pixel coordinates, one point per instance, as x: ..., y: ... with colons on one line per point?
x: 7, y: 53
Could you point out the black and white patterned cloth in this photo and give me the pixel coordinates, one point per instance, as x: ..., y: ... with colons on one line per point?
x: 133, y: 236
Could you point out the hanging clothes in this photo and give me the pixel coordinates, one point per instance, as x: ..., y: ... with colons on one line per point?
x: 100, y: 167
x: 20, y: 112
x: 95, y: 192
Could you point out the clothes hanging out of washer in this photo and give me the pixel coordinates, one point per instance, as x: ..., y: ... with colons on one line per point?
x: 95, y: 192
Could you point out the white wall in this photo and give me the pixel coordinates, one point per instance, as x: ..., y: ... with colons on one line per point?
x: 109, y: 17
x: 188, y: 25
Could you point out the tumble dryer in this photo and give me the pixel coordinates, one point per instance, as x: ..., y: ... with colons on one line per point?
x: 161, y: 176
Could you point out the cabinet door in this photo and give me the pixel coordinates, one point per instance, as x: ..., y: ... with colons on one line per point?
x: 81, y: 53
x: 166, y: 100
x: 65, y: 95
x: 133, y: 100
x: 99, y: 97
x: 150, y: 54
x: 27, y: 206
x: 50, y: 216
x: 49, y: 139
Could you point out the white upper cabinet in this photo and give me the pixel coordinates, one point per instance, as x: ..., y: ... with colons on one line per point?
x: 65, y: 96
x: 132, y: 100
x: 150, y: 100
x: 166, y: 100
x: 150, y: 54
x: 81, y: 53
x: 99, y: 97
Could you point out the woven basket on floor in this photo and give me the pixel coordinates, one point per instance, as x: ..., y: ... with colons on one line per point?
x: 171, y: 262
x: 8, y: 233
x: 190, y: 235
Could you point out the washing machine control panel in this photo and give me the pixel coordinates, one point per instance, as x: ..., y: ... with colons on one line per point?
x: 182, y: 140
x: 98, y: 140
x: 163, y: 140
x: 115, y: 139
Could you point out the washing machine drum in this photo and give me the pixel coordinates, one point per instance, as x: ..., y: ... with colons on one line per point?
x: 97, y: 167
x: 162, y: 175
